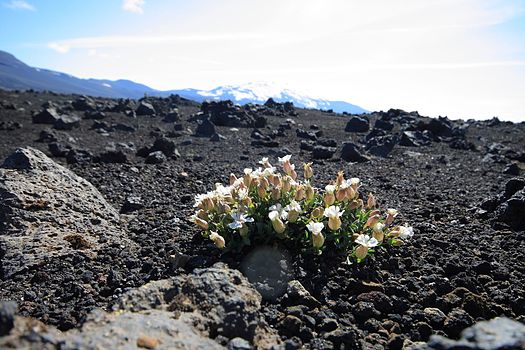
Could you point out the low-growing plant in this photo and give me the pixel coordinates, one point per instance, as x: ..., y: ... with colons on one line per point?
x: 266, y: 205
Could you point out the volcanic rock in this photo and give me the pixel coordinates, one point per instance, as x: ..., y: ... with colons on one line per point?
x: 357, y: 124
x: 145, y: 108
x: 156, y: 157
x: 46, y: 116
x: 323, y: 152
x: 350, y: 152
x: 34, y: 189
x: 500, y: 333
x: 67, y: 122
x: 414, y: 139
x: 205, y: 128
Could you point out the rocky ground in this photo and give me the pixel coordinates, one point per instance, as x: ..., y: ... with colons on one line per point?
x: 95, y: 237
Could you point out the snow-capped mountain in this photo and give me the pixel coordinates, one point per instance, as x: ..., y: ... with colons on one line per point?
x: 16, y: 75
x: 260, y: 92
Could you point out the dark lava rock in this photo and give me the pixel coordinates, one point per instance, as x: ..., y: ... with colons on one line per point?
x: 456, y: 321
x: 165, y: 145
x: 512, y: 169
x: 303, y: 134
x: 131, y: 204
x: 217, y: 137
x: 384, y: 125
x: 46, y: 116
x: 439, y: 127
x: 79, y: 156
x: 205, y: 128
x: 364, y: 310
x: 145, y: 108
x: 58, y: 150
x: 323, y: 152
x: 172, y: 116
x: 350, y: 153
x: 97, y: 115
x: 67, y: 122
x: 380, y: 301
x: 307, y: 145
x: 7, y: 316
x: 414, y: 139
x: 381, y: 146
x: 357, y: 124
x: 156, y: 157
x: 500, y: 333
x: 47, y: 136
x: 509, y: 206
x: 84, y: 103
x: 113, y: 156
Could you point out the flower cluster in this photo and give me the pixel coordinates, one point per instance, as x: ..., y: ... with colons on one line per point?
x: 266, y: 205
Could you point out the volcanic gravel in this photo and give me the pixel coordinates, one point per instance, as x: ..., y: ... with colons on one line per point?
x: 460, y: 266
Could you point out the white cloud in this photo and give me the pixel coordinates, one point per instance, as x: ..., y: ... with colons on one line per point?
x: 20, y: 5
x: 134, y: 6
x: 60, y: 48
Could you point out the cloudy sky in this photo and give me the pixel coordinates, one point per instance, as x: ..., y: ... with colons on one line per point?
x: 460, y: 58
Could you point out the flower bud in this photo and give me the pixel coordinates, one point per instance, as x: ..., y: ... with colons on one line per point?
x: 350, y: 193
x: 371, y: 202
x: 390, y: 215
x: 276, y: 194
x: 278, y: 225
x: 261, y: 191
x: 334, y: 222
x: 340, y: 194
x: 379, y: 235
x: 201, y: 223
x: 340, y: 178
x: 308, y: 172
x: 293, y: 174
x: 372, y: 220
x: 247, y: 180
x: 300, y: 194
x: 207, y: 204
x: 317, y: 213
x: 309, y: 191
x: 317, y: 240
x: 217, y: 239
x: 233, y: 178
x: 223, y: 208
x: 361, y: 252
x: 293, y: 216
x: 264, y: 182
x: 286, y: 183
x: 329, y: 199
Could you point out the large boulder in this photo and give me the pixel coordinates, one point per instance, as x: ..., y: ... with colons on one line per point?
x: 357, y: 124
x: 500, y: 333
x: 46, y: 212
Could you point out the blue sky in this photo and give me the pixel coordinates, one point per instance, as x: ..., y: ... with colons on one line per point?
x: 460, y: 58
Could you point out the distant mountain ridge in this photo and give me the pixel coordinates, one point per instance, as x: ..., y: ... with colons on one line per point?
x: 16, y: 75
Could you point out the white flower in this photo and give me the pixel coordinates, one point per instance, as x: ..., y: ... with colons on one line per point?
x: 406, y: 232
x: 248, y: 171
x: 285, y: 159
x: 239, y: 219
x: 242, y: 193
x: 277, y: 211
x: 330, y: 188
x: 354, y: 181
x: 333, y: 211
x: 315, y: 227
x: 293, y: 206
x: 366, y: 241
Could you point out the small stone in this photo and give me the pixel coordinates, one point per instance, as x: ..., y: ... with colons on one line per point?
x: 350, y: 152
x: 146, y: 342
x: 155, y: 158
x: 239, y: 344
x: 145, y: 108
x: 7, y: 316
x: 132, y: 204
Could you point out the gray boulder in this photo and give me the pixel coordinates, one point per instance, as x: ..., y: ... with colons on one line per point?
x: 46, y: 212
x: 500, y: 333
